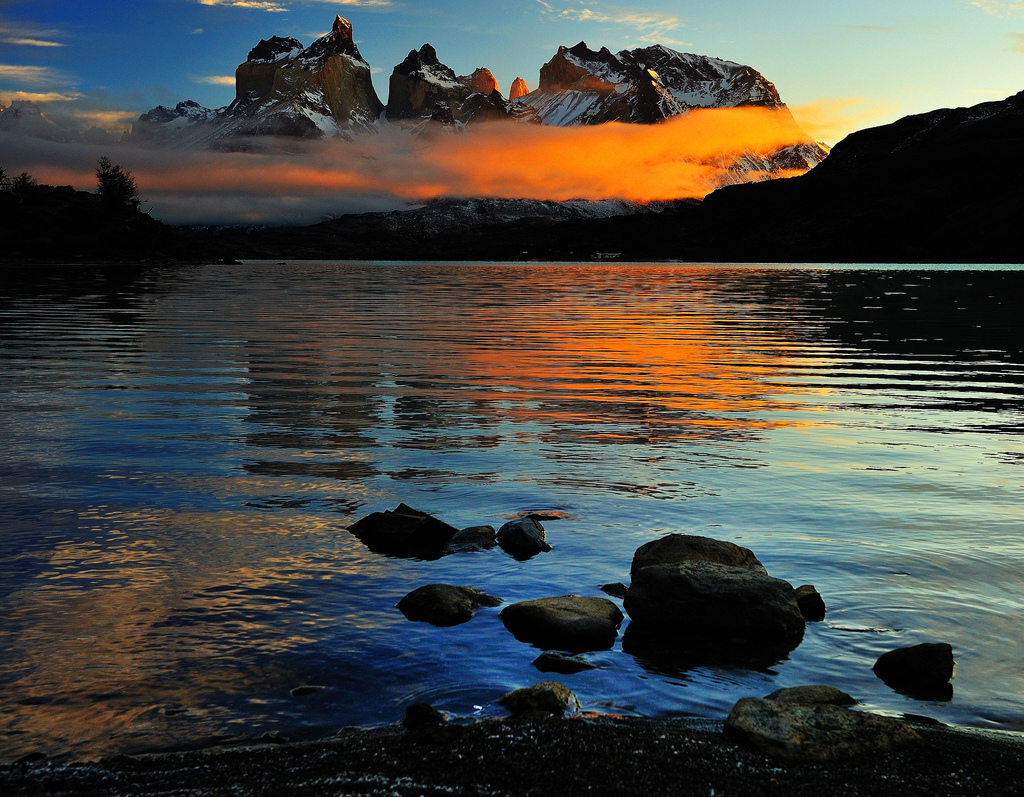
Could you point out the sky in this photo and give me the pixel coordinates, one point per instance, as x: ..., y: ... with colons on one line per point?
x: 840, y: 65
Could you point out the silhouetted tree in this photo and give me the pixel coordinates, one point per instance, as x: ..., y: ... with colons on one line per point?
x: 116, y: 187
x: 3, y: 179
x: 23, y: 184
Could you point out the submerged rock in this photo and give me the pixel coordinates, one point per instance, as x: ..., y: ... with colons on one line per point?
x: 444, y: 605
x: 812, y: 605
x: 714, y: 600
x: 675, y: 548
x: 812, y: 724
x: 562, y: 663
x: 474, y: 538
x: 523, y: 538
x: 404, y: 532
x: 568, y: 622
x: 920, y: 671
x: 547, y: 697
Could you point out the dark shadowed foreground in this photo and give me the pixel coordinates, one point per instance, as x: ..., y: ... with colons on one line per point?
x: 542, y: 757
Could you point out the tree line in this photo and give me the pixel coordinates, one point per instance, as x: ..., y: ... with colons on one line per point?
x: 115, y: 186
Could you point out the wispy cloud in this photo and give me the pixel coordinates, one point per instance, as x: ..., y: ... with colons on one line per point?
x: 215, y: 80
x: 31, y: 75
x: 27, y: 37
x: 275, y: 7
x: 999, y: 9
x: 653, y: 23
x: 870, y: 29
x: 1017, y: 40
x: 113, y: 121
x: 37, y: 96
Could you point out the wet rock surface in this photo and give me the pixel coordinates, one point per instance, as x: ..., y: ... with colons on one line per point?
x: 547, y: 697
x: 567, y: 623
x: 444, y: 604
x: 541, y: 757
x: 675, y: 548
x: 921, y: 670
x: 562, y: 663
x: 404, y: 532
x: 812, y: 605
x: 713, y: 600
x: 813, y: 724
x: 474, y: 538
x: 523, y: 538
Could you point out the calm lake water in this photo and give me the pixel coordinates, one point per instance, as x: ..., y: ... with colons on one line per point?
x: 183, y: 449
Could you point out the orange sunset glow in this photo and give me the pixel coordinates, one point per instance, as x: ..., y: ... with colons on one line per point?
x: 686, y: 156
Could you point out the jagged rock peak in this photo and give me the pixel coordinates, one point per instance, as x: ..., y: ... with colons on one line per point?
x: 424, y: 63
x: 519, y: 89
x: 275, y: 48
x: 480, y: 82
x: 338, y: 42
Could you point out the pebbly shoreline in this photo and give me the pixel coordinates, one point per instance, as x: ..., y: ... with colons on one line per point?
x: 541, y: 756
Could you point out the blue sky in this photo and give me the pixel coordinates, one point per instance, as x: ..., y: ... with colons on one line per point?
x: 841, y: 64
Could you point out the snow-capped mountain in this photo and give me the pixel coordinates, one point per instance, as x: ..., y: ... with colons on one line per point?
x: 282, y: 89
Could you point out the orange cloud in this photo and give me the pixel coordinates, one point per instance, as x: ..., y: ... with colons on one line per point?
x: 834, y: 118
x: 687, y: 156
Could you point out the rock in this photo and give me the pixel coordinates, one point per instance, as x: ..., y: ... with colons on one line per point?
x: 616, y: 590
x: 302, y: 691
x: 563, y: 664
x: 444, y: 605
x: 422, y: 716
x: 523, y: 538
x: 815, y: 695
x: 480, y: 82
x: 518, y: 89
x: 713, y: 600
x: 921, y: 670
x: 404, y: 532
x: 565, y: 623
x: 548, y: 697
x: 676, y: 655
x: 812, y: 605
x: 689, y: 548
x: 474, y: 538
x: 789, y: 727
x: 419, y: 83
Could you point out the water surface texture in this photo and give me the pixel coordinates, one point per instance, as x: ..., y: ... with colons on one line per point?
x: 184, y: 448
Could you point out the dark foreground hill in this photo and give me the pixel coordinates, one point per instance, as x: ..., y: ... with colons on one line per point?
x: 57, y: 224
x: 924, y: 189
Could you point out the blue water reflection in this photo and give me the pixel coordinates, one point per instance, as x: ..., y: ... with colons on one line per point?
x: 185, y: 447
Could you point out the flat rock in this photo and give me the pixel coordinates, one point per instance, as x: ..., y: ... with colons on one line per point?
x: 713, y: 600
x: 568, y: 622
x: 813, y: 732
x: 444, y: 604
x: 547, y: 697
x: 675, y: 548
x: 812, y: 605
x: 404, y: 532
x: 474, y: 538
x: 421, y: 716
x: 523, y: 538
x: 814, y: 695
x: 922, y: 668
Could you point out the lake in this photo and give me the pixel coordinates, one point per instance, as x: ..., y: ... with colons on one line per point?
x: 184, y: 449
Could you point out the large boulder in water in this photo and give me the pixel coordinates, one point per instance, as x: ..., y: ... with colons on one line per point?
x: 812, y: 724
x: 675, y: 548
x: 568, y: 622
x: 922, y: 670
x: 444, y: 604
x: 707, y: 599
x: 523, y: 538
x: 404, y: 532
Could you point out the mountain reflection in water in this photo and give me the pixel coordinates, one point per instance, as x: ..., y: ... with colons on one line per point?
x: 185, y: 447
